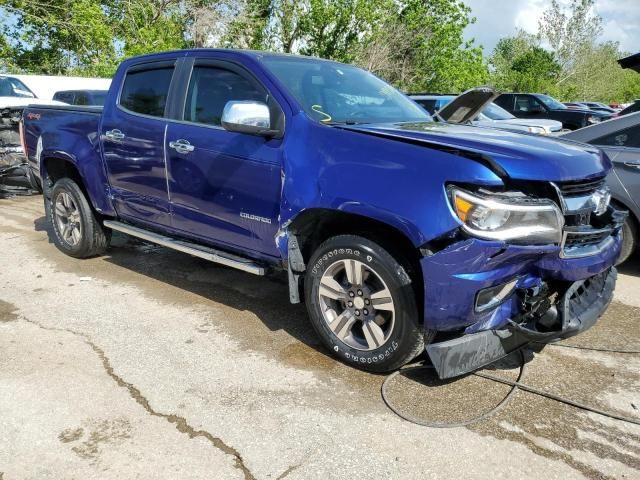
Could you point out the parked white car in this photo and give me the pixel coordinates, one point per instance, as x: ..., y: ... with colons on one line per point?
x: 14, y: 93
x: 492, y: 115
x: 497, y: 117
x: 22, y: 90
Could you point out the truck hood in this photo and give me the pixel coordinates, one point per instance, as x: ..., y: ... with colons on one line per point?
x: 551, y: 125
x: 510, y: 154
x: 466, y: 106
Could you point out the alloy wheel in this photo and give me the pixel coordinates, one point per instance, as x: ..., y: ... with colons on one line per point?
x: 67, y: 217
x: 356, y: 304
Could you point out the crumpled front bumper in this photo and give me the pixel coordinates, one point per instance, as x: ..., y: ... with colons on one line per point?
x: 15, y: 176
x: 454, y: 276
x: 580, y: 307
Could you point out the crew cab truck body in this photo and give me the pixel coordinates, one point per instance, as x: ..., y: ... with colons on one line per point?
x: 397, y: 232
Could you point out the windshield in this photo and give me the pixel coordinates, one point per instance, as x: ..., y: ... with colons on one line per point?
x: 336, y: 93
x: 12, y: 87
x: 494, y: 112
x: 551, y: 102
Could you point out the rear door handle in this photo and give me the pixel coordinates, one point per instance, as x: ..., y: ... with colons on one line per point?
x: 181, y: 146
x: 114, y: 135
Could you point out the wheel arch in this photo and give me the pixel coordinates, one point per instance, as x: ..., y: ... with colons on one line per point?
x: 621, y: 204
x: 54, y: 166
x: 311, y: 227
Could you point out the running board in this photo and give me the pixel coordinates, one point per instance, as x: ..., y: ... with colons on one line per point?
x: 201, y: 251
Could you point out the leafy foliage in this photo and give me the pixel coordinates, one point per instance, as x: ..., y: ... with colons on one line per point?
x: 90, y: 37
x: 417, y: 45
x: 573, y: 66
x: 521, y: 65
x: 421, y: 47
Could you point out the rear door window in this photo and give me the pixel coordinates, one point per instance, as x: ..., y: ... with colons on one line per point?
x: 211, y: 88
x: 628, y: 137
x: 66, y: 97
x: 146, y: 91
x: 527, y: 103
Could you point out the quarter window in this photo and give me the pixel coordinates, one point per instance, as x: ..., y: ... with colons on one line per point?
x: 146, y: 91
x: 211, y: 88
x: 629, y: 137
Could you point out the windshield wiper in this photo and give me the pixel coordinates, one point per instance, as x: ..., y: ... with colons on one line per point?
x: 348, y: 121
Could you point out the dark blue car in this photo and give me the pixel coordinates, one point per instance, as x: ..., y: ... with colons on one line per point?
x: 397, y: 232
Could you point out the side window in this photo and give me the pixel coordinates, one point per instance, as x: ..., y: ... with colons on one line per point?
x: 526, y: 103
x: 428, y: 105
x: 82, y: 98
x: 211, y: 88
x: 629, y: 137
x: 146, y: 91
x: 504, y: 101
x: 65, y: 97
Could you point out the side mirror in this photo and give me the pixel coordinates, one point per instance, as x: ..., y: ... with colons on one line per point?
x: 247, y: 117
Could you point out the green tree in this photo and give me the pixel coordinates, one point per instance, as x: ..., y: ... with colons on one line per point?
x: 519, y: 64
x: 90, y: 37
x: 421, y: 47
x: 570, y: 31
x: 588, y: 68
x: 7, y: 55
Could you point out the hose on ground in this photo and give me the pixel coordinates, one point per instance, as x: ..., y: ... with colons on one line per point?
x: 430, y: 424
x: 595, y: 349
x: 515, y: 385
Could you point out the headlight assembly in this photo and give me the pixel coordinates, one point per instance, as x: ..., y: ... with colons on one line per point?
x: 538, y: 130
x: 591, y: 119
x: 514, y: 220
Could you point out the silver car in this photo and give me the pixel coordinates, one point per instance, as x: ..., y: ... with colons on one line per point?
x: 620, y: 139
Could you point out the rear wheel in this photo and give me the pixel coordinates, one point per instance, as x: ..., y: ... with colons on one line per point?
x: 362, y: 304
x: 77, y: 231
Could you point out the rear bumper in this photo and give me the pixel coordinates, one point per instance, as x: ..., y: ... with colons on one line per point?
x: 580, y: 307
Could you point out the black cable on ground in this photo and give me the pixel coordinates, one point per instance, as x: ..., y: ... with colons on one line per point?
x: 595, y: 349
x: 425, y: 423
x: 515, y: 385
x: 558, y: 398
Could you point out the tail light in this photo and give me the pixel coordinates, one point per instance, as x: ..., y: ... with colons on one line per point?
x: 23, y: 141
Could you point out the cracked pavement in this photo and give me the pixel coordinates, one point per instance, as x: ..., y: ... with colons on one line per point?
x: 148, y: 363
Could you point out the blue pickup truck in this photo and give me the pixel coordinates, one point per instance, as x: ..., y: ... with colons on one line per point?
x: 399, y: 233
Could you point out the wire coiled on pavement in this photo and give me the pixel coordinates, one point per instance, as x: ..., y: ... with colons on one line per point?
x: 515, y: 385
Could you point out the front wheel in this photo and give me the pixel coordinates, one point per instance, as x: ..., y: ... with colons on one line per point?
x: 362, y: 304
x: 77, y: 231
x: 629, y: 240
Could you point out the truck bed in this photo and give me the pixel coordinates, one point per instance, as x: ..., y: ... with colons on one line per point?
x: 67, y: 108
x: 67, y: 128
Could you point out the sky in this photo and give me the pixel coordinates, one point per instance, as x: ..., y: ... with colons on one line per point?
x: 500, y: 18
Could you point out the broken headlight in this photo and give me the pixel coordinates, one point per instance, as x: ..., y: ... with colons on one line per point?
x: 510, y: 218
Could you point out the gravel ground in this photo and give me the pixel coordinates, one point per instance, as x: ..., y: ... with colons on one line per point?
x: 148, y: 363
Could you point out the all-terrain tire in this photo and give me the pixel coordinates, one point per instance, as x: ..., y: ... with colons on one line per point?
x: 92, y: 238
x: 403, y: 340
x: 629, y: 240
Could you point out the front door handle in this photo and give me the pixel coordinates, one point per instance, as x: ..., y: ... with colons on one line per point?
x: 114, y: 135
x: 181, y: 146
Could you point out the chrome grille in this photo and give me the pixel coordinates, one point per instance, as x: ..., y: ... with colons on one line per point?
x: 584, y: 232
x: 581, y: 187
x: 589, y: 237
